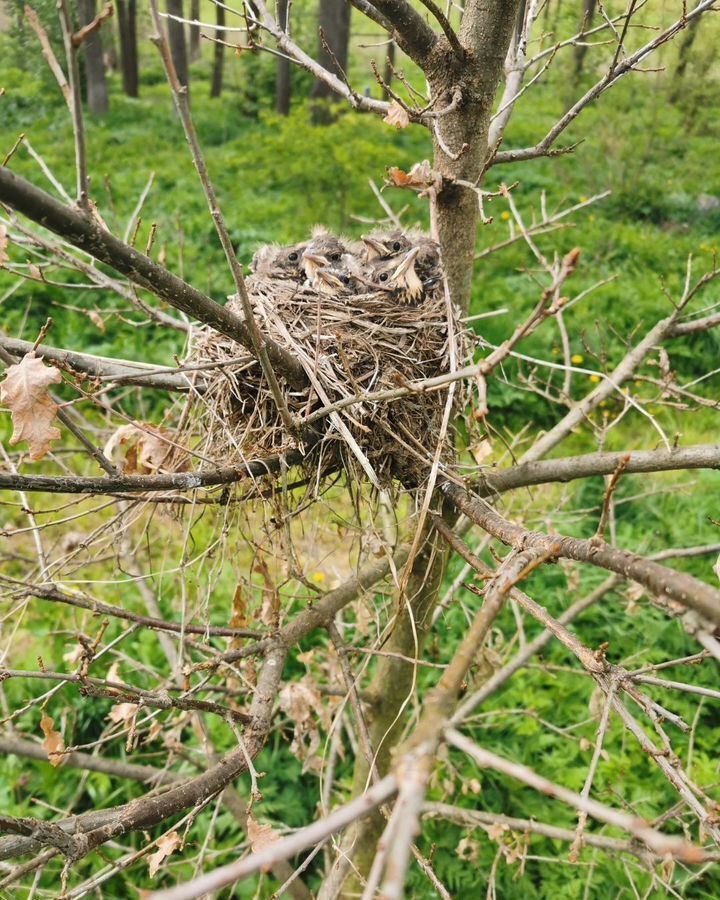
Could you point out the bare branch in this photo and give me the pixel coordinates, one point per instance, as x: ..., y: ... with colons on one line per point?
x: 688, y: 591
x: 616, y: 71
x: 87, y: 234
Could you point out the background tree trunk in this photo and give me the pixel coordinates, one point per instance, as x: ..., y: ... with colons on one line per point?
x: 684, y: 49
x: 282, y: 99
x: 585, y: 25
x: 95, y: 80
x: 389, y: 68
x: 127, y: 29
x: 195, y: 41
x: 216, y: 85
x: 334, y: 22
x: 178, y: 45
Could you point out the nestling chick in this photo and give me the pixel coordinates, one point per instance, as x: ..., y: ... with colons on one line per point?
x: 272, y: 261
x: 398, y: 277
x: 340, y: 277
x: 391, y: 245
x: 385, y: 244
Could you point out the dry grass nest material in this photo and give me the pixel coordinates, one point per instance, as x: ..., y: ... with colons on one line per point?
x: 350, y: 346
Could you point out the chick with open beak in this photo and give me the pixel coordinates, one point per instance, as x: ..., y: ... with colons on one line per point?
x: 273, y: 261
x: 385, y: 244
x: 333, y: 278
x: 398, y: 277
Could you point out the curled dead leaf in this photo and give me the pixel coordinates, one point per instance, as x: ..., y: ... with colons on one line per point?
x: 166, y: 845
x: 4, y: 241
x: 397, y: 116
x: 97, y: 320
x: 261, y: 836
x: 142, y: 448
x: 123, y: 713
x: 26, y: 393
x: 53, y: 743
x: 421, y: 177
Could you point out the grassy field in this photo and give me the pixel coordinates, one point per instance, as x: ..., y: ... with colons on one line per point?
x: 276, y: 178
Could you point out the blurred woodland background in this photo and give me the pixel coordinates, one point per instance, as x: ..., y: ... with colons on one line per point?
x: 284, y: 157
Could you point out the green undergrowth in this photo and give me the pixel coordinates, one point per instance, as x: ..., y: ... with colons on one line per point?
x: 276, y: 178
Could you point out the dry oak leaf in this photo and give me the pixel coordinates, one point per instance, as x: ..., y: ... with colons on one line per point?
x: 123, y: 712
x: 166, y: 845
x: 420, y: 177
x: 397, y: 116
x: 261, y: 836
x: 150, y: 449
x: 4, y: 241
x: 53, y: 743
x: 25, y: 391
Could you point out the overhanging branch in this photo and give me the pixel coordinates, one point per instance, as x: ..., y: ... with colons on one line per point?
x: 87, y: 234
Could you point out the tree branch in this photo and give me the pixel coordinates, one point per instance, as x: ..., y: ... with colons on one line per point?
x: 703, y: 456
x: 688, y: 591
x: 87, y: 234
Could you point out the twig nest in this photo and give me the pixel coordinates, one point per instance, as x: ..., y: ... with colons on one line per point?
x: 353, y: 346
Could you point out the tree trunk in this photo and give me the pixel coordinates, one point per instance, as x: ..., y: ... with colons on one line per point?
x: 127, y: 28
x: 684, y: 49
x: 585, y: 25
x: 334, y: 24
x: 389, y: 69
x: 390, y: 693
x: 176, y: 38
x: 216, y: 85
x: 195, y: 41
x: 282, y: 82
x: 95, y: 80
x: 487, y: 30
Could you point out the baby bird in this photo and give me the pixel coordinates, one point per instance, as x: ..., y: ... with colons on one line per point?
x: 392, y: 245
x: 384, y: 244
x: 398, y: 276
x: 273, y: 261
x: 341, y: 276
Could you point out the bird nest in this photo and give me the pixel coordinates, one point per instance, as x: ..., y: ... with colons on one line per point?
x: 356, y: 348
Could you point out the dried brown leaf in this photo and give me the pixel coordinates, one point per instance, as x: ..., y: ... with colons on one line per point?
x: 420, y: 177
x: 53, y: 743
x: 4, y: 242
x: 397, y: 116
x: 166, y: 845
x: 149, y: 449
x: 261, y: 836
x: 97, y: 320
x: 26, y: 392
x: 123, y: 713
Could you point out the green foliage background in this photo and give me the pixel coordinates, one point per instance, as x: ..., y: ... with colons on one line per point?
x: 276, y: 178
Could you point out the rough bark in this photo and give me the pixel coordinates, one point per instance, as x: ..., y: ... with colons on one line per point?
x: 282, y: 81
x: 127, y: 29
x: 95, y: 80
x: 216, y: 85
x: 178, y: 45
x: 389, y: 694
x: 485, y: 34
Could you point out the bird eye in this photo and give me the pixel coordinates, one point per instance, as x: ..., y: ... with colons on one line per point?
x: 396, y: 246
x: 345, y: 279
x: 293, y: 257
x: 334, y: 256
x: 384, y: 276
